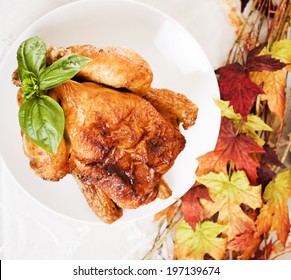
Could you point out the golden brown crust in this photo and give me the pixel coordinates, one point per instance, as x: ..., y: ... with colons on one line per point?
x: 174, y: 106
x: 119, y: 67
x: 98, y: 201
x: 164, y: 190
x: 47, y: 166
x: 119, y: 141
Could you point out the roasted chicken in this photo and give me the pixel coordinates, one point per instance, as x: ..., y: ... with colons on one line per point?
x: 119, y: 142
x: 121, y: 136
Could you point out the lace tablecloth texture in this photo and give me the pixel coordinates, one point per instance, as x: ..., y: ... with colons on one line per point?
x: 29, y: 231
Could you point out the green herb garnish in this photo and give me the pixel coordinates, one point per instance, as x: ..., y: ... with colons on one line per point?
x: 40, y: 117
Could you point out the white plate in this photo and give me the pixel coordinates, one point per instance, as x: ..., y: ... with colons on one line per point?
x: 177, y: 61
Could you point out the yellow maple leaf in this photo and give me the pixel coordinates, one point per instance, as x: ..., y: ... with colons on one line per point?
x: 273, y: 84
x: 226, y: 110
x: 282, y: 50
x: 228, y: 193
x: 274, y: 215
x: 193, y: 245
x: 254, y: 124
x: 250, y: 127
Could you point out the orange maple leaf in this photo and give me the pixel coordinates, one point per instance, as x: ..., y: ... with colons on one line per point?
x: 273, y: 84
x: 274, y: 215
x: 231, y: 147
x: 246, y: 244
x: 228, y: 193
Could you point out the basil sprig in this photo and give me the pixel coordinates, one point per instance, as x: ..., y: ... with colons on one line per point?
x: 40, y: 117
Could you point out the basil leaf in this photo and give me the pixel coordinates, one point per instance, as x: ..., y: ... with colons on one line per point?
x: 31, y: 57
x: 42, y: 120
x: 29, y: 87
x: 61, y: 71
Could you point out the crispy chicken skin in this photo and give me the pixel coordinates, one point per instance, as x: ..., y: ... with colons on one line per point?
x: 120, y: 143
x: 174, y: 106
x: 48, y: 166
x: 99, y: 202
x: 118, y: 67
x: 164, y: 190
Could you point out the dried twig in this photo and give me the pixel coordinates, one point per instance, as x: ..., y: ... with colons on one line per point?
x: 162, y: 238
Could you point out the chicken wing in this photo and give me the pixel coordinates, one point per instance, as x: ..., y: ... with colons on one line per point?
x: 118, y: 67
x: 174, y: 106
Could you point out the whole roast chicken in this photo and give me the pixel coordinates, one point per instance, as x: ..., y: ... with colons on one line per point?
x: 121, y: 136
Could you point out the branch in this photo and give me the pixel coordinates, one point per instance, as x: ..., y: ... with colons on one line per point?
x: 161, y: 238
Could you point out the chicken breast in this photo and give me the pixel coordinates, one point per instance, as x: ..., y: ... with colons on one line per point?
x: 119, y: 142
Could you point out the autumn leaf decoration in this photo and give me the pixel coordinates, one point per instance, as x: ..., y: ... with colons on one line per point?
x: 238, y: 207
x: 235, y: 83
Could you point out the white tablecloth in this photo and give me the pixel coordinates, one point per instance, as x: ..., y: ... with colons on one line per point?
x: 27, y: 230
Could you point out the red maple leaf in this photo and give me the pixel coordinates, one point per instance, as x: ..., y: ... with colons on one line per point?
x: 236, y: 86
x: 265, y: 175
x: 256, y: 62
x: 270, y: 157
x: 264, y: 171
x: 192, y: 210
x: 231, y: 147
